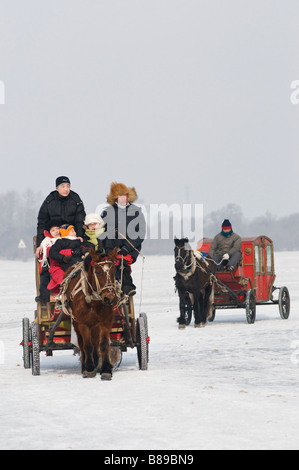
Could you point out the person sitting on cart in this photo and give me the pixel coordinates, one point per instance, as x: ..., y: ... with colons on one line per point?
x: 66, y: 252
x: 93, y: 228
x: 63, y: 204
x: 225, y: 249
x: 125, y: 229
x: 51, y: 234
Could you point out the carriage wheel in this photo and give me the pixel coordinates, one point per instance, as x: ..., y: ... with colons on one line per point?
x: 250, y: 305
x: 144, y: 316
x: 284, y: 303
x: 142, y: 344
x: 26, y: 343
x: 35, y: 349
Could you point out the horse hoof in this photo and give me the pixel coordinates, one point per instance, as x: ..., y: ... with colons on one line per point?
x: 182, y: 327
x: 89, y: 375
x: 199, y: 325
x: 106, y: 376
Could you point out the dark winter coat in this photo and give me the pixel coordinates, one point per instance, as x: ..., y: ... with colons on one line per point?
x: 68, y: 210
x: 128, y: 221
x: 66, y: 247
x: 225, y: 244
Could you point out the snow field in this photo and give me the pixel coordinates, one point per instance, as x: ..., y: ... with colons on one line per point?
x: 229, y: 385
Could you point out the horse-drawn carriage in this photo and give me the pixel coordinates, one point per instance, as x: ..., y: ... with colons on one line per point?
x: 249, y: 285
x: 52, y: 329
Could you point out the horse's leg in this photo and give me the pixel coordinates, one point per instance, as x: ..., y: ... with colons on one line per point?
x: 210, y: 306
x: 182, y: 319
x: 88, y: 366
x: 95, y: 339
x: 198, y: 307
x: 106, y: 369
x: 208, y: 303
x: 80, y: 343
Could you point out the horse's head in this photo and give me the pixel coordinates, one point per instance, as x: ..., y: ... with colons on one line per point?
x: 101, y: 274
x: 181, y: 254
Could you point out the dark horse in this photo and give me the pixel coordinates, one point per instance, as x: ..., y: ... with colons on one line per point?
x: 194, y: 282
x: 91, y: 295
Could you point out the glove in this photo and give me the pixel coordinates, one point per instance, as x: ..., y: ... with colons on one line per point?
x: 66, y: 259
x: 124, y: 251
x: 225, y: 257
x: 77, y: 252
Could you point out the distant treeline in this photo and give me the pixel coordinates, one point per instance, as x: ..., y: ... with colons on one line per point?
x: 19, y: 219
x: 283, y: 231
x: 18, y: 222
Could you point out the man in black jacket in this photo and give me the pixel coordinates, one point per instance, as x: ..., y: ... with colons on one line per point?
x: 125, y: 228
x: 62, y: 204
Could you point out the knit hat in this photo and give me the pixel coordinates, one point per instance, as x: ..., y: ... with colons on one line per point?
x: 53, y: 223
x: 94, y: 218
x: 120, y: 189
x: 226, y: 224
x: 65, y: 230
x: 62, y: 180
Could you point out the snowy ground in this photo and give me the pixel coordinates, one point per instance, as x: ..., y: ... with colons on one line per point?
x: 228, y: 386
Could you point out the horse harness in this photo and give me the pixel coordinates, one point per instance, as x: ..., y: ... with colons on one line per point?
x: 197, y: 261
x: 83, y: 284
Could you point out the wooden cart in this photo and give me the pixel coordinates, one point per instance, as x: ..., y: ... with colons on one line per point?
x: 52, y: 330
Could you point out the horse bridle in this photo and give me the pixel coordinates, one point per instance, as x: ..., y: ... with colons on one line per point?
x: 179, y: 257
x: 195, y: 263
x: 109, y: 287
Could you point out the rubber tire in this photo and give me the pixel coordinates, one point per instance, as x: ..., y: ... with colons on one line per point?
x: 35, y: 349
x: 144, y: 316
x: 142, y: 345
x: 284, y: 303
x: 26, y: 341
x: 250, y: 306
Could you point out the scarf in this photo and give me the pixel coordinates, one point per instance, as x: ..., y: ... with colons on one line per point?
x: 92, y: 236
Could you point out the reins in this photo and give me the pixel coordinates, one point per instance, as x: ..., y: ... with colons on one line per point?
x: 196, y: 258
x: 142, y: 271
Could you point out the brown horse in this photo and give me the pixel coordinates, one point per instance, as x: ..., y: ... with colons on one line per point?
x: 91, y: 295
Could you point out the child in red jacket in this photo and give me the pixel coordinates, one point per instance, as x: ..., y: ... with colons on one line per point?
x: 66, y: 252
x: 51, y: 235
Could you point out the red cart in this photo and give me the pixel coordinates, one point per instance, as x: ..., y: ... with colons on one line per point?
x: 252, y: 283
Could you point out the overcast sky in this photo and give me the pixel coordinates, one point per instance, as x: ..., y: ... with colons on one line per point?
x: 187, y: 100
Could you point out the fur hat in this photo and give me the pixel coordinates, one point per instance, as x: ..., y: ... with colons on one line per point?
x: 65, y: 230
x: 94, y: 218
x: 119, y: 189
